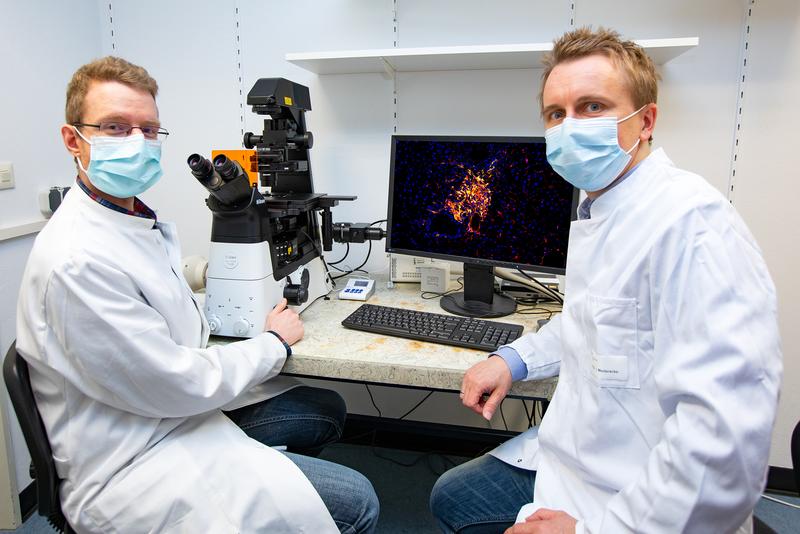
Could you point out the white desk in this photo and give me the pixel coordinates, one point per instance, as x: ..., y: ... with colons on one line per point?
x: 331, y: 351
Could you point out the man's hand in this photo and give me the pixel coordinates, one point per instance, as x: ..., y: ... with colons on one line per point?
x: 492, y: 377
x: 285, y: 322
x: 545, y: 521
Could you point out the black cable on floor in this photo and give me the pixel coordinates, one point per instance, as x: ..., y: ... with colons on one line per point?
x: 427, y: 455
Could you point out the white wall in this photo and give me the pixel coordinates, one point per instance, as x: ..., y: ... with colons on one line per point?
x: 197, y: 52
x: 766, y: 181
x: 496, y: 102
x: 42, y: 44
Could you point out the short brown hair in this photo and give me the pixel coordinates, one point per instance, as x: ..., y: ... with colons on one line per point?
x: 642, y: 78
x: 106, y: 69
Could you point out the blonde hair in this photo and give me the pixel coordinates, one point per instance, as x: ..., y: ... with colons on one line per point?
x: 107, y: 69
x: 642, y: 78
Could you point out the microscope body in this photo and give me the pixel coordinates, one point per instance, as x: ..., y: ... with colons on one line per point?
x: 257, y: 257
x: 241, y: 288
x: 266, y: 244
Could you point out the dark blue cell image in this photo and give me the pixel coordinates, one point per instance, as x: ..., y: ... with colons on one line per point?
x: 489, y: 200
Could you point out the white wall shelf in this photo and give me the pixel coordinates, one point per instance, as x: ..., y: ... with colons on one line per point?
x: 512, y: 56
x: 12, y: 232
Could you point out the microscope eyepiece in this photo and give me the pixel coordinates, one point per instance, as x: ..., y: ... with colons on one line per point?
x: 204, y: 172
x: 199, y: 165
x: 225, y: 179
x: 225, y: 167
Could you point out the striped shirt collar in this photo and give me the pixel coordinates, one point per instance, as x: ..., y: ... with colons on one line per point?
x: 140, y: 209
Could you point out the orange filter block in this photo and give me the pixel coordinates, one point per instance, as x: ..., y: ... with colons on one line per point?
x: 247, y: 159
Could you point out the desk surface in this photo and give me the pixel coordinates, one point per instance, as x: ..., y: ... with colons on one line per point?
x: 331, y: 351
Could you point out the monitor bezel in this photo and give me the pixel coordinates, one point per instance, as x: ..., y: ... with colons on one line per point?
x: 452, y: 257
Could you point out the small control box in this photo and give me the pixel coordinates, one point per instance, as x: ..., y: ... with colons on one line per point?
x: 357, y: 289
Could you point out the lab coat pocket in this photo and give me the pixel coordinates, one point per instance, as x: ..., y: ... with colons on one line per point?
x: 612, y: 342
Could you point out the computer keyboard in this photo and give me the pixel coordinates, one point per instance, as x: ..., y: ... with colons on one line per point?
x: 433, y: 327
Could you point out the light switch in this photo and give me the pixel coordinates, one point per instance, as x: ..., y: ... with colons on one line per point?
x: 6, y: 175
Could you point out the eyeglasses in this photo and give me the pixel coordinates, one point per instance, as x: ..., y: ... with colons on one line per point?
x: 120, y: 129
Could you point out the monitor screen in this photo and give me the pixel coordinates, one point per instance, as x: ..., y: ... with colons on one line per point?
x: 486, y: 200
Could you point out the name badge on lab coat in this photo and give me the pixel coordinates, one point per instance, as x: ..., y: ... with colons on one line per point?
x: 610, y: 370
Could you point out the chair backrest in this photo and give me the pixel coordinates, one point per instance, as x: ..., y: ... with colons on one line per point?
x: 43, y: 470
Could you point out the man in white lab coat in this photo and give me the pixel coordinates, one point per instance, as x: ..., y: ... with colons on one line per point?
x: 130, y: 394
x: 667, y: 348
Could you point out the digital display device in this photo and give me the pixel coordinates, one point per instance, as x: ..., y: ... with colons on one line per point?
x: 484, y: 201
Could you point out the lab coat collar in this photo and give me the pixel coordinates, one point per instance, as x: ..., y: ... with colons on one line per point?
x: 627, y: 190
x: 129, y: 221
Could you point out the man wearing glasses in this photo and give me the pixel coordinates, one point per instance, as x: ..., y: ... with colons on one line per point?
x: 130, y: 394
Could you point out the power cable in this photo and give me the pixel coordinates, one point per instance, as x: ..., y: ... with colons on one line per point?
x: 369, y: 252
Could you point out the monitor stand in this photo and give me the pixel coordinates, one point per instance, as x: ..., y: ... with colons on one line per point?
x: 478, y: 298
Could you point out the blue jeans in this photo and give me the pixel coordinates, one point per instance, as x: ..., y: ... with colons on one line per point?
x: 481, y: 496
x: 348, y: 495
x: 306, y: 419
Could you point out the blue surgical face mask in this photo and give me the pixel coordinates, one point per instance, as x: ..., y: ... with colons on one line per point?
x: 123, y: 167
x: 586, y: 152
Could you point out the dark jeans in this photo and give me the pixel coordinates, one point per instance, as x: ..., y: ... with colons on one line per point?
x: 481, y: 496
x: 305, y: 420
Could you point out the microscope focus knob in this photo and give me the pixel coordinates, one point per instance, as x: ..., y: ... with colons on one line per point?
x: 241, y: 327
x: 214, y: 323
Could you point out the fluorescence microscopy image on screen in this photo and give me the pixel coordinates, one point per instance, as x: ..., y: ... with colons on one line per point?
x: 489, y: 200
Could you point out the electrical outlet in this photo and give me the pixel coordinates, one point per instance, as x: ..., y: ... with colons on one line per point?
x: 6, y: 175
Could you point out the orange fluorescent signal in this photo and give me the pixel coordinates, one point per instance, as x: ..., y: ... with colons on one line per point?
x: 470, y: 203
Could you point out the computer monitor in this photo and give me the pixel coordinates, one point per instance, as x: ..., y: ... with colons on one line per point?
x: 484, y: 201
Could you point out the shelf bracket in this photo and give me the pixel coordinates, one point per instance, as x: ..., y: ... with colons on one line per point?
x: 388, y: 70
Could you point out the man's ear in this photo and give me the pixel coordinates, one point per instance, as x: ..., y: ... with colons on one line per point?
x: 71, y: 140
x: 649, y: 116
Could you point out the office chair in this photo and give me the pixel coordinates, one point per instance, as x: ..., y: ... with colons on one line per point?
x: 43, y: 468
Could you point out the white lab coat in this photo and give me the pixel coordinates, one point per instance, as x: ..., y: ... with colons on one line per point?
x: 130, y: 395
x: 669, y: 364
